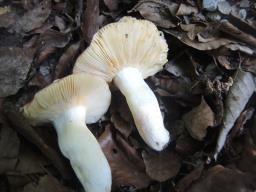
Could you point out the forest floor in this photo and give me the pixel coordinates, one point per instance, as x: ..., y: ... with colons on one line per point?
x: 211, y: 61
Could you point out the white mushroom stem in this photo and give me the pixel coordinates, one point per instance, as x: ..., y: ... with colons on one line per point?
x: 79, y: 145
x: 144, y: 107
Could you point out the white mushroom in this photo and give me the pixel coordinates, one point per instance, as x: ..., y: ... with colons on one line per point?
x: 127, y: 52
x: 69, y: 103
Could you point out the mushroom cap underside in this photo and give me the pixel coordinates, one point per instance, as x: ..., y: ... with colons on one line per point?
x: 75, y: 90
x: 127, y: 43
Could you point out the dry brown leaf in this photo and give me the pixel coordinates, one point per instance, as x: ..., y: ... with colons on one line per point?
x: 186, y: 10
x: 185, y: 145
x: 121, y: 125
x: 124, y: 170
x: 198, y: 120
x: 66, y: 60
x: 161, y: 166
x: 21, y: 125
x: 238, y: 128
x: 16, y: 64
x: 215, y: 44
x: 46, y: 184
x: 112, y: 4
x: 249, y: 65
x: 30, y: 161
x: 221, y: 179
x: 9, y: 147
x: 90, y: 24
x: 232, y: 30
x: 34, y: 18
x: 186, y: 181
x: 157, y: 13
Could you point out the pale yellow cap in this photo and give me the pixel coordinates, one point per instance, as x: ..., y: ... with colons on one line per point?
x: 75, y: 90
x: 127, y: 43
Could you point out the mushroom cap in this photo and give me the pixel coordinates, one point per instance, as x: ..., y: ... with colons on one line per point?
x: 127, y: 43
x: 75, y: 90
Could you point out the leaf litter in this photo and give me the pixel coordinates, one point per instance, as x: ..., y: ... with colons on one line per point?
x: 206, y: 89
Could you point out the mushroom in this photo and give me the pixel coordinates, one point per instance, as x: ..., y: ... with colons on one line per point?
x: 127, y: 52
x: 69, y: 103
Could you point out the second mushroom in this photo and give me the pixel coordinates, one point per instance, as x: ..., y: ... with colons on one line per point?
x: 127, y: 52
x: 69, y: 103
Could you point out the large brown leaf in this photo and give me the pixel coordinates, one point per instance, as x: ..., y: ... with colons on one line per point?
x: 161, y: 166
x: 126, y: 166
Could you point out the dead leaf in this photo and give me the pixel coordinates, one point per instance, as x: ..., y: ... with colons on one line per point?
x: 215, y: 44
x: 90, y: 24
x: 30, y: 161
x: 66, y: 60
x: 232, y: 30
x: 46, y: 184
x: 21, y: 125
x: 161, y: 166
x: 14, y: 67
x: 238, y: 128
x: 124, y: 171
x: 249, y: 65
x: 157, y: 13
x: 34, y: 18
x: 112, y: 4
x: 186, y: 10
x: 220, y: 179
x: 9, y: 147
x: 198, y: 120
x: 185, y: 145
x: 186, y: 181
x: 237, y: 98
x: 121, y: 125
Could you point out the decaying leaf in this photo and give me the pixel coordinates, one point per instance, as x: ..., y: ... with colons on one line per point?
x: 197, y: 45
x: 90, y: 25
x: 66, y: 60
x: 121, y: 125
x: 186, y: 10
x: 156, y: 12
x: 34, y: 18
x: 125, y: 171
x: 16, y: 64
x: 232, y: 30
x: 220, y: 179
x: 238, y: 96
x: 46, y: 183
x: 112, y: 4
x: 198, y: 120
x: 186, y: 181
x: 9, y: 147
x: 161, y: 166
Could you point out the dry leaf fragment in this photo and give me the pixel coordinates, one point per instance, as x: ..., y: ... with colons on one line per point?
x: 238, y: 96
x: 156, y: 13
x: 232, y: 30
x: 186, y: 181
x: 121, y: 125
x: 215, y: 44
x: 66, y: 60
x: 161, y: 166
x: 198, y: 120
x: 112, y: 4
x: 124, y: 171
x: 90, y: 25
x: 14, y: 67
x: 34, y: 18
x: 221, y: 179
x: 186, y: 10
x: 46, y: 184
